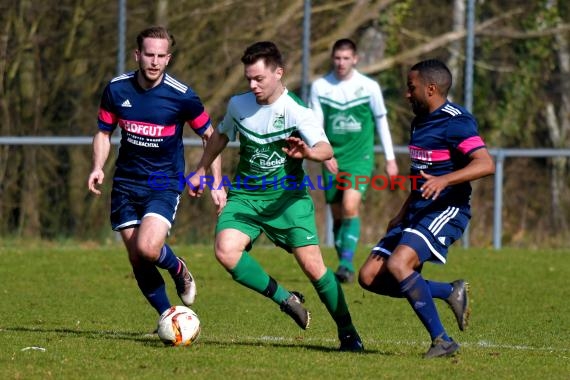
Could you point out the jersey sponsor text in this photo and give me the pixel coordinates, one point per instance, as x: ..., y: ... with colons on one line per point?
x: 146, y: 129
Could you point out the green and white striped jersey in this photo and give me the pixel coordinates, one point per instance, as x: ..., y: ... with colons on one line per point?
x: 349, y: 111
x: 262, y: 129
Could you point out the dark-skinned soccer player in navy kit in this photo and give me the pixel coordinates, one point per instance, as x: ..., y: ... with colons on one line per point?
x: 447, y: 151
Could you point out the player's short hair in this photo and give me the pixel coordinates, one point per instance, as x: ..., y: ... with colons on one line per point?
x: 156, y: 32
x: 436, y: 72
x: 344, y: 44
x: 265, y: 50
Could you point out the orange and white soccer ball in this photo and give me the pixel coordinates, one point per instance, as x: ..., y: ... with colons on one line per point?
x: 178, y: 326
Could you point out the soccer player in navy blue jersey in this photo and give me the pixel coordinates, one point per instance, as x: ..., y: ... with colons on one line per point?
x: 448, y: 153
x: 151, y: 108
x: 350, y: 106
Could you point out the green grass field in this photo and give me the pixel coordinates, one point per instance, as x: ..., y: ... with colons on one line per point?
x: 73, y: 311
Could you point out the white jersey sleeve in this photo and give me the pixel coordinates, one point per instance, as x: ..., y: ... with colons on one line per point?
x: 376, y: 99
x: 379, y: 109
x: 227, y: 127
x: 385, y: 137
x: 315, y: 104
x: 310, y: 129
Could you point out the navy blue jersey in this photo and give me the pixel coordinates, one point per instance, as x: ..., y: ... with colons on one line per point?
x: 151, y: 123
x: 440, y: 143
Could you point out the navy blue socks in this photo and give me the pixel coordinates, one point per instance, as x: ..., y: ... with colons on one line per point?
x: 418, y: 294
x: 152, y: 286
x: 168, y: 260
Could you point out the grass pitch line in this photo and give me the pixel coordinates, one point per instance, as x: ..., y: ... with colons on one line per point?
x: 480, y: 344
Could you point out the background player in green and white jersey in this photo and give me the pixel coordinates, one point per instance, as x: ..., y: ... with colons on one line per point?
x: 350, y: 106
x: 276, y: 133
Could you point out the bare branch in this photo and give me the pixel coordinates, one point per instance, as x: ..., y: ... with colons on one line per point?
x: 435, y: 43
x: 521, y: 35
x: 230, y: 82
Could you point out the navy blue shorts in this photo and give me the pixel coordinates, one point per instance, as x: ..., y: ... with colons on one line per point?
x: 429, y: 234
x: 131, y: 203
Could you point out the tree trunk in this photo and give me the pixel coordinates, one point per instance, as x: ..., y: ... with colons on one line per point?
x: 559, y: 129
x: 5, y: 123
x: 162, y: 12
x: 29, y: 223
x: 456, y: 48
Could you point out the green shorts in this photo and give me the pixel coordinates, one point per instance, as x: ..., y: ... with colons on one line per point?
x: 288, y: 221
x: 348, y: 177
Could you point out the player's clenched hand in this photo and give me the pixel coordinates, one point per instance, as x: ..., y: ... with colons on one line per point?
x: 391, y: 168
x: 433, y: 186
x: 95, y: 178
x: 195, y: 188
x: 332, y: 165
x: 219, y: 197
x: 296, y: 147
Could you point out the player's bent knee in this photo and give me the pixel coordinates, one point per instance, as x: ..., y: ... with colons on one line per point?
x: 313, y: 267
x: 365, y: 278
x: 227, y: 255
x: 225, y: 258
x: 314, y: 271
x: 148, y: 252
x: 398, y: 268
x: 362, y: 281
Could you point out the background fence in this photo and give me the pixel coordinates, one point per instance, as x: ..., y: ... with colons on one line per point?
x: 500, y: 155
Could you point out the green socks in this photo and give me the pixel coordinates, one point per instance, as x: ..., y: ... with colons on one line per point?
x: 250, y: 274
x: 349, y: 234
x: 331, y: 294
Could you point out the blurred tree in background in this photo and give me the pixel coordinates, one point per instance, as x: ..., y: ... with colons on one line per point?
x: 56, y: 57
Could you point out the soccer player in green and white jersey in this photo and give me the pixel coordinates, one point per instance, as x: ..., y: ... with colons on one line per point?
x: 276, y: 132
x: 350, y: 106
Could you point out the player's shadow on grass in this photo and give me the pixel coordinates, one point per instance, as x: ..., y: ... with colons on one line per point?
x: 150, y: 339
x: 265, y: 343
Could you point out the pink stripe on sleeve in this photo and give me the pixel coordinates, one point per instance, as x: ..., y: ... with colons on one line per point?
x: 107, y: 117
x: 470, y: 144
x: 199, y: 121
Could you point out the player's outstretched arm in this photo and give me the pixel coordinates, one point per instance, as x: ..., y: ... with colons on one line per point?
x: 215, y: 144
x: 101, y: 148
x: 219, y: 196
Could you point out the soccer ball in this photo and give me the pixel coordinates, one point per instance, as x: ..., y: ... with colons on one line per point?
x: 178, y: 326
